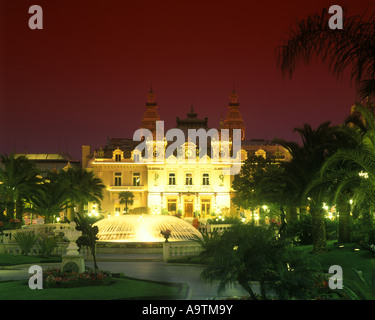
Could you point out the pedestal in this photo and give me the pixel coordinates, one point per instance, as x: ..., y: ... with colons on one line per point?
x: 73, y: 263
x: 72, y: 260
x: 166, y: 251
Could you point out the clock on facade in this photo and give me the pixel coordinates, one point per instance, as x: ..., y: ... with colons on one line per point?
x: 189, y: 153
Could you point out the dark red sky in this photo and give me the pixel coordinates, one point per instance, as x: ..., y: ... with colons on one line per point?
x: 85, y: 75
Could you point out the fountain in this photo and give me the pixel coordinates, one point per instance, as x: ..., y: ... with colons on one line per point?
x: 144, y: 228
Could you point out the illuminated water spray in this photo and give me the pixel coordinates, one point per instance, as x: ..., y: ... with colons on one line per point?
x: 144, y: 228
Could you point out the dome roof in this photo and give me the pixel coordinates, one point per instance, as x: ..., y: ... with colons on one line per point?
x: 144, y: 228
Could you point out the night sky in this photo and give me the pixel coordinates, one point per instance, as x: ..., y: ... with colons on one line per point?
x: 85, y: 76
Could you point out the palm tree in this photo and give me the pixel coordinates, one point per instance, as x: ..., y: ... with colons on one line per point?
x: 50, y: 198
x: 356, y: 163
x: 18, y: 178
x: 247, y: 253
x: 81, y: 187
x: 126, y: 198
x: 317, y: 145
x: 353, y: 46
x: 243, y: 254
x: 336, y: 179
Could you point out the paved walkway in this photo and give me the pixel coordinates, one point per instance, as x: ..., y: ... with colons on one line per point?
x: 145, y: 266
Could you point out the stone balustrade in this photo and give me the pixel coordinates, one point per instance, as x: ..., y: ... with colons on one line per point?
x: 8, y: 243
x: 48, y: 228
x: 176, y: 250
x: 213, y: 228
x: 13, y: 248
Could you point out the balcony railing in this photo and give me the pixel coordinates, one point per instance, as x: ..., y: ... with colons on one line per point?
x: 206, y: 187
x: 125, y: 188
x: 171, y: 187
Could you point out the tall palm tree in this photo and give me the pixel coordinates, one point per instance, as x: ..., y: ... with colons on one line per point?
x: 126, y: 198
x: 82, y: 187
x: 351, y: 47
x: 307, y: 159
x: 335, y: 177
x: 357, y: 163
x: 18, y: 178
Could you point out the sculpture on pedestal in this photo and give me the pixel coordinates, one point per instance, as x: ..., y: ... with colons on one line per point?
x: 72, y: 260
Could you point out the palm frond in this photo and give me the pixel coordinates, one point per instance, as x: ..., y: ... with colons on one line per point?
x: 352, y: 47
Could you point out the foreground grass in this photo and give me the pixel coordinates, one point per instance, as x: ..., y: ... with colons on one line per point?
x: 7, y: 259
x: 121, y: 288
x: 348, y: 257
x: 358, y: 266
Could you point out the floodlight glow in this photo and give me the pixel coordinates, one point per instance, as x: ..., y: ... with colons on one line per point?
x: 144, y: 228
x: 363, y: 174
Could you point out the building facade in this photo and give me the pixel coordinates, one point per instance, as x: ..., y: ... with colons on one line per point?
x: 173, y: 185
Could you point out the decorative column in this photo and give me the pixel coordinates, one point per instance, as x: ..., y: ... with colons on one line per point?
x: 214, y: 206
x: 162, y: 202
x: 196, y: 204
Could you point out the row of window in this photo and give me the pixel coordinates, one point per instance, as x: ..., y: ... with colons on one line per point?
x: 172, y: 206
x: 118, y: 157
x: 205, y: 206
x: 171, y: 179
x: 189, y: 179
x: 136, y: 157
x: 136, y: 179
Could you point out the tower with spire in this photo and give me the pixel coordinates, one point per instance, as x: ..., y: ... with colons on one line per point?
x: 151, y: 115
x: 233, y: 119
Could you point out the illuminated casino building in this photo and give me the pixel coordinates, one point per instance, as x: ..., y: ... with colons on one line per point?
x: 173, y: 186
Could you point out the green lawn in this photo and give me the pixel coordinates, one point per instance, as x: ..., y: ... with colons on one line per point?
x: 125, y: 288
x: 7, y: 259
x: 356, y: 285
x: 122, y: 288
x: 346, y: 257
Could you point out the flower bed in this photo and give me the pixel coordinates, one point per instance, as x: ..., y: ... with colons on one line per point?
x: 55, y: 278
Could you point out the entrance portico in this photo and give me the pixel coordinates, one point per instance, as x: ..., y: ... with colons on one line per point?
x: 187, y: 203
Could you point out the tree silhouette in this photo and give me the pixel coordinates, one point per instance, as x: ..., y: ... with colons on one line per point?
x: 18, y: 177
x: 351, y: 47
x: 126, y: 197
